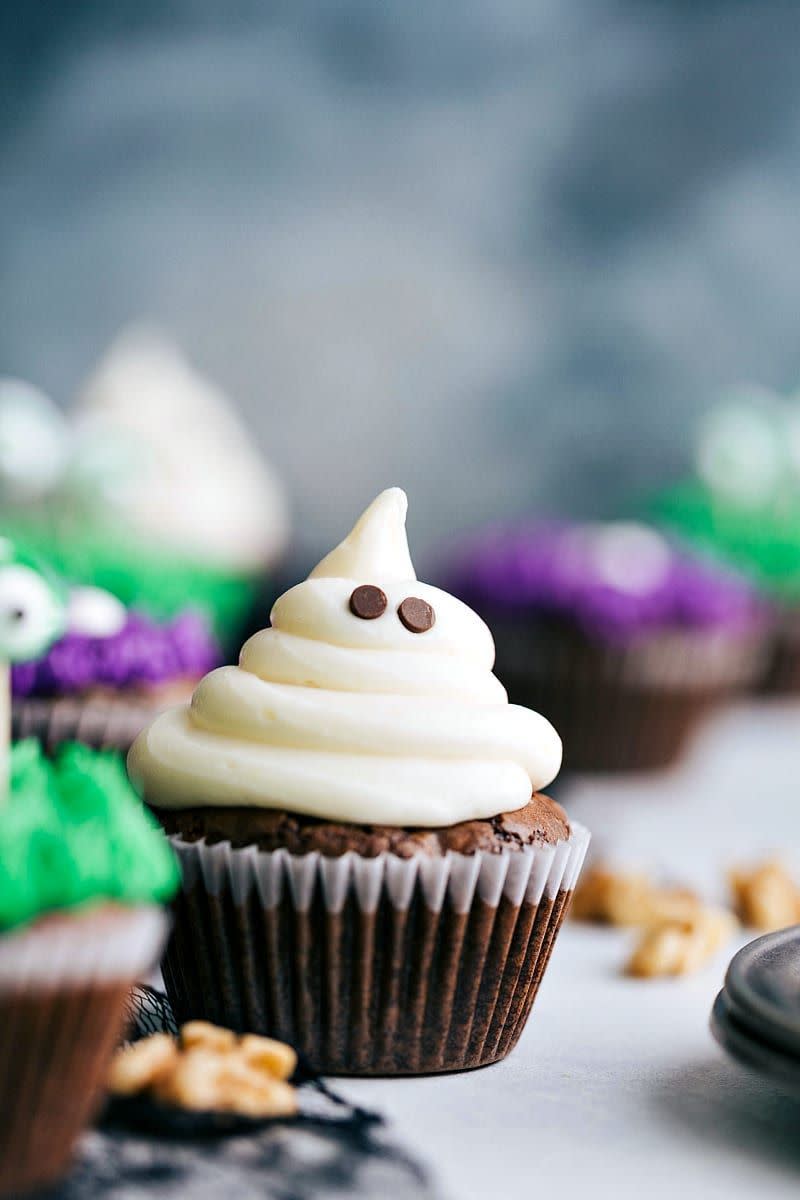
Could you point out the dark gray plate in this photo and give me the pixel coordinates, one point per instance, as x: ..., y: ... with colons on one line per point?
x: 763, y: 988
x: 767, y: 1059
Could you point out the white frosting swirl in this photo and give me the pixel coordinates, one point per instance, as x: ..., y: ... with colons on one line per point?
x: 166, y: 447
x: 356, y: 720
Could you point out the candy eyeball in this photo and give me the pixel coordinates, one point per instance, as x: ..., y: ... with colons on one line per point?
x: 741, y: 453
x: 31, y: 615
x: 792, y: 438
x: 94, y: 612
x: 629, y: 557
x: 33, y: 441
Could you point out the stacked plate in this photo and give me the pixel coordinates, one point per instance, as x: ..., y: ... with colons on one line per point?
x: 756, y: 1016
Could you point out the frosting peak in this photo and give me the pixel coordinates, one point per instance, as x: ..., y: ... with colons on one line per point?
x: 370, y: 699
x: 377, y: 544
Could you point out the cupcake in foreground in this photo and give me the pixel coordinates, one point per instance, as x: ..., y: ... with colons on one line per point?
x: 109, y: 674
x: 369, y: 870
x: 622, y: 639
x: 83, y: 871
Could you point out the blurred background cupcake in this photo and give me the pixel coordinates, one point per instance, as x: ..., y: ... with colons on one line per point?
x: 622, y: 639
x: 83, y: 873
x: 150, y: 488
x: 109, y: 673
x: 743, y: 507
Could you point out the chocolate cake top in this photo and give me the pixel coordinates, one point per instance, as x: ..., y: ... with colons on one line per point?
x: 540, y: 822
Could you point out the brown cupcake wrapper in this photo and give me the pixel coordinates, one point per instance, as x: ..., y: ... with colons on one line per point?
x: 104, y: 721
x: 369, y: 966
x: 63, y: 990
x: 634, y: 707
x: 781, y: 676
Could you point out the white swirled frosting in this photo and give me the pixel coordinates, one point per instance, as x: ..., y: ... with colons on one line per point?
x: 352, y: 719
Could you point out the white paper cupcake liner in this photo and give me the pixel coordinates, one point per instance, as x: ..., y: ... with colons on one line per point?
x: 526, y: 874
x: 370, y: 965
x: 64, y: 984
x: 83, y: 945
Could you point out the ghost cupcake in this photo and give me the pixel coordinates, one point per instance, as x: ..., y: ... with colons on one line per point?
x: 369, y: 868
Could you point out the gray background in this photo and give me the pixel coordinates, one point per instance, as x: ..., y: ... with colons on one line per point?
x: 500, y: 252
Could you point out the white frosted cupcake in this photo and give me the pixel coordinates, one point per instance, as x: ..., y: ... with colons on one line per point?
x: 369, y: 870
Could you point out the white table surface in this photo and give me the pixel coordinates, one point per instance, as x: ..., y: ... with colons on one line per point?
x: 617, y: 1087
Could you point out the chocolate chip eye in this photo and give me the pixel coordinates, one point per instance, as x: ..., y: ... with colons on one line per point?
x: 368, y: 602
x: 417, y: 615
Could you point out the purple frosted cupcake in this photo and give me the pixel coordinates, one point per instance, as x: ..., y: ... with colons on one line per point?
x: 109, y: 674
x: 624, y: 640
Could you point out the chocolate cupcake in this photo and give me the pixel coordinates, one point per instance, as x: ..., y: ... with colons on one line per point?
x: 624, y: 640
x: 83, y: 871
x: 109, y: 674
x: 368, y: 869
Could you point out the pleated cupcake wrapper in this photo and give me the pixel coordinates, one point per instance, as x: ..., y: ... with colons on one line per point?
x: 63, y: 990
x: 629, y: 707
x: 89, y: 944
x: 526, y: 874
x: 103, y: 722
x: 369, y: 966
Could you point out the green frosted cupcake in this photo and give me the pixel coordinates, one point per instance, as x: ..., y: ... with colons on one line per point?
x: 743, y: 506
x: 151, y: 488
x: 83, y: 873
